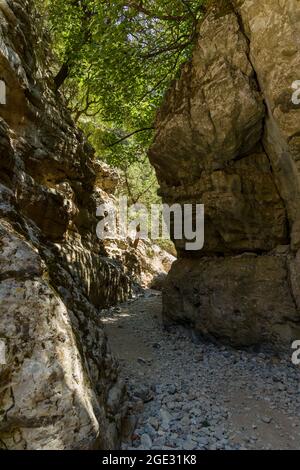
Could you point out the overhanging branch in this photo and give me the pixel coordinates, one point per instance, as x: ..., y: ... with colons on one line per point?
x: 130, y: 135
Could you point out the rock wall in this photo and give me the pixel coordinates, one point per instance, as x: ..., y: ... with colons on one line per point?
x: 146, y: 263
x: 59, y: 386
x: 228, y: 136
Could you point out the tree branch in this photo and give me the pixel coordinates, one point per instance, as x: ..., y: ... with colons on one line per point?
x: 130, y: 135
x: 62, y: 75
x: 170, y: 48
x: 140, y: 7
x: 157, y: 85
x: 64, y: 72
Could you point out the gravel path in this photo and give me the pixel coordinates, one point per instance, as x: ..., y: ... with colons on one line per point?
x: 188, y: 394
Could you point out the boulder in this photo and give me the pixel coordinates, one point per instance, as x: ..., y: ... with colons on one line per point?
x: 227, y: 136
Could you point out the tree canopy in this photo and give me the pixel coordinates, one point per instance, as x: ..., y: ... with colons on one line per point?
x: 117, y: 57
x: 115, y: 60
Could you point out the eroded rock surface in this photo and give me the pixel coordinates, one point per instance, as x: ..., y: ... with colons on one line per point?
x: 228, y: 136
x: 59, y: 384
x: 147, y: 263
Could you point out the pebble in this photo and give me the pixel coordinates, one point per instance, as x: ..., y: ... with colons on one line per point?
x: 165, y: 416
x: 266, y: 419
x: 205, y: 395
x: 154, y: 422
x: 146, y: 441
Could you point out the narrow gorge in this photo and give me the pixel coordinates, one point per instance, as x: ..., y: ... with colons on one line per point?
x: 96, y: 357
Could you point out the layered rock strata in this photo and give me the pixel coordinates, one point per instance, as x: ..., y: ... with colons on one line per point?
x: 59, y: 382
x: 228, y: 137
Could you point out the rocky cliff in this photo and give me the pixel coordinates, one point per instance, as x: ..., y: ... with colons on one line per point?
x: 228, y: 136
x: 59, y: 383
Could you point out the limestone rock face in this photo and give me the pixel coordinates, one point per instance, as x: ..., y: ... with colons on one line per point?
x: 228, y: 137
x: 59, y: 386
x: 148, y: 264
x: 235, y: 299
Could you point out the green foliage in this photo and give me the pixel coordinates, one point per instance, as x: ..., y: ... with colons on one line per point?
x: 116, y: 60
x: 140, y: 184
x: 122, y: 54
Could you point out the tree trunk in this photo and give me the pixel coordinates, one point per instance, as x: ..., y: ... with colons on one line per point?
x: 62, y: 75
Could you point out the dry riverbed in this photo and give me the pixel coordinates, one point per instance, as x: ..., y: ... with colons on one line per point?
x: 188, y: 394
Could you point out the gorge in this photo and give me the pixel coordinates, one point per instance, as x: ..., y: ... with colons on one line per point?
x: 227, y: 135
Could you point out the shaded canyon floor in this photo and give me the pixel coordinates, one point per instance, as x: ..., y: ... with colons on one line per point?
x: 186, y: 393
